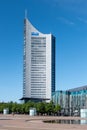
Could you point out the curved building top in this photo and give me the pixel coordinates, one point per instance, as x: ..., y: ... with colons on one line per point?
x: 34, y: 31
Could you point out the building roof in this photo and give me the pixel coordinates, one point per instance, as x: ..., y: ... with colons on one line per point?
x: 78, y: 89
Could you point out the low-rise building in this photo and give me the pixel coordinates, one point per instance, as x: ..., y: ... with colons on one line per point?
x: 72, y: 100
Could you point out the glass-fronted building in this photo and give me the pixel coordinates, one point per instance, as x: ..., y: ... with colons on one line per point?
x: 38, y: 64
x: 71, y: 101
x: 78, y: 99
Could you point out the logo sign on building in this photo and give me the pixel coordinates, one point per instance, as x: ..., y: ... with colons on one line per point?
x: 34, y: 33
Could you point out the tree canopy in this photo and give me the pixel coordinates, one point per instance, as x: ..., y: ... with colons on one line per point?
x: 41, y: 107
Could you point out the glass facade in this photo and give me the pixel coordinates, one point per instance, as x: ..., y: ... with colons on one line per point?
x: 78, y: 98
x: 53, y: 64
x: 38, y: 64
x: 61, y: 98
x: 71, y: 100
x: 38, y: 67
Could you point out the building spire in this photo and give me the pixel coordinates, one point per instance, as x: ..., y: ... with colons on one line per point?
x: 25, y: 13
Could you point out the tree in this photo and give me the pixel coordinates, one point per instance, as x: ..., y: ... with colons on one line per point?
x: 40, y: 108
x: 50, y: 108
x: 1, y: 107
x: 14, y: 107
x: 29, y: 105
x: 57, y: 108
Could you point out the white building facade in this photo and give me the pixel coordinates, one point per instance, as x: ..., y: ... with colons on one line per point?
x: 38, y: 64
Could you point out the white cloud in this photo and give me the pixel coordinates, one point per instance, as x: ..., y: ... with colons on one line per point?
x: 82, y: 20
x: 66, y: 21
x: 71, y: 1
x: 77, y: 6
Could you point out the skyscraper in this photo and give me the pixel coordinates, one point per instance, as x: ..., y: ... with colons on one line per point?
x: 38, y: 64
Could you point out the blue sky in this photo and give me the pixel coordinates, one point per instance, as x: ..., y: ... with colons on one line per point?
x: 66, y: 19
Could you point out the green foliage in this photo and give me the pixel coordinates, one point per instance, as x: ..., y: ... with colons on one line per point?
x: 57, y: 108
x: 41, y: 107
x: 1, y: 107
x: 50, y: 108
x: 28, y: 105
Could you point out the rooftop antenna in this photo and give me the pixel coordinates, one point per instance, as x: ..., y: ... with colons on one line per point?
x: 25, y: 13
